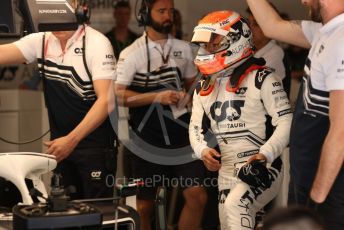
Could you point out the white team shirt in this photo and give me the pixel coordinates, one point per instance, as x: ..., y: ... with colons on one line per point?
x: 169, y: 66
x: 99, y: 53
x: 324, y: 72
x: 134, y: 59
x: 325, y: 63
x: 273, y: 55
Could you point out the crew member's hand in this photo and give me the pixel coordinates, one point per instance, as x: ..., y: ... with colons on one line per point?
x: 61, y: 147
x: 185, y: 99
x: 209, y: 158
x: 168, y: 97
x: 318, y: 195
x: 258, y: 156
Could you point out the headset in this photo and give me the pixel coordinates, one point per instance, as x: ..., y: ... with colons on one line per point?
x: 83, y: 12
x: 144, y: 15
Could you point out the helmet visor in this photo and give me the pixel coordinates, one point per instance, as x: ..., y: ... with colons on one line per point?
x: 215, y: 43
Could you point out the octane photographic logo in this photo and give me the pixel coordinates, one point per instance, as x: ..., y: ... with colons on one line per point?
x: 163, y: 76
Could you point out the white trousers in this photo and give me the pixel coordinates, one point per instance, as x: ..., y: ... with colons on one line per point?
x: 239, y: 205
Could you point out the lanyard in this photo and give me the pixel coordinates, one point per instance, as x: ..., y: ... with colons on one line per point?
x: 163, y: 58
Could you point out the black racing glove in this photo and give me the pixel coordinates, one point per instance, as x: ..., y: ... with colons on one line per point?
x: 255, y: 174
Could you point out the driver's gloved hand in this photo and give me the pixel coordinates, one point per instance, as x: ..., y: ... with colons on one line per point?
x: 255, y: 174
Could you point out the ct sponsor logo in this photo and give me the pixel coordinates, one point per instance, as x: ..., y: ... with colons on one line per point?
x: 78, y: 51
x: 177, y: 54
x: 96, y: 175
x: 109, y: 56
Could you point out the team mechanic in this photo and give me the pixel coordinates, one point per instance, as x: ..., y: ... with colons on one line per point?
x: 77, y: 77
x: 233, y: 101
x: 316, y: 143
x: 153, y: 74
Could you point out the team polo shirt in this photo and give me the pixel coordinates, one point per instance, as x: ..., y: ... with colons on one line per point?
x: 155, y: 123
x: 324, y: 72
x: 69, y: 91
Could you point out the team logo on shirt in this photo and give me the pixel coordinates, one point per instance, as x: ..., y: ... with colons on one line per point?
x: 96, y: 174
x: 177, y: 54
x: 78, y: 51
x: 241, y: 91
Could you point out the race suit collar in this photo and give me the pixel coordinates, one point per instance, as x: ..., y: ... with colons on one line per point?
x: 235, y: 78
x: 242, y: 71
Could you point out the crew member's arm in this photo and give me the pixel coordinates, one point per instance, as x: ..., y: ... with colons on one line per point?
x: 126, y: 70
x: 332, y: 155
x: 275, y: 27
x: 196, y: 136
x: 63, y: 146
x: 10, y: 54
x: 25, y: 50
x: 101, y: 63
x: 130, y: 98
x: 277, y: 105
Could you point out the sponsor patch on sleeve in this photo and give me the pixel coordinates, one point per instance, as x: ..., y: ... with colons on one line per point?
x: 284, y: 112
x: 260, y: 77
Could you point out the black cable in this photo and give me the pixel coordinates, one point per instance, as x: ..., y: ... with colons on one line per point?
x: 24, y: 142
